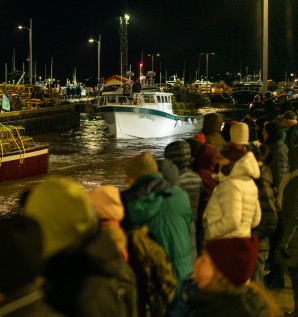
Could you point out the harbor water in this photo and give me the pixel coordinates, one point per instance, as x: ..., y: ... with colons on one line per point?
x: 86, y: 154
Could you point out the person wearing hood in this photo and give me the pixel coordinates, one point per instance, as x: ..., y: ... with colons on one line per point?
x: 288, y: 244
x: 110, y: 211
x: 165, y: 209
x: 180, y: 153
x: 85, y: 275
x: 233, y: 208
x: 21, y: 246
x: 212, y: 129
x: 169, y: 171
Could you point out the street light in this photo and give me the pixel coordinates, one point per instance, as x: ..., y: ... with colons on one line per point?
x: 30, y: 49
x: 98, y: 56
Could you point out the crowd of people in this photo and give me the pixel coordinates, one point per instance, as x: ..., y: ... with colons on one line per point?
x: 223, y: 205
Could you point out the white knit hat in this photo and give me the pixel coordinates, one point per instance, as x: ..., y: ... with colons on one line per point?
x: 239, y: 133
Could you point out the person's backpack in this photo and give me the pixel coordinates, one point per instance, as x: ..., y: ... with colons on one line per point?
x: 154, y: 273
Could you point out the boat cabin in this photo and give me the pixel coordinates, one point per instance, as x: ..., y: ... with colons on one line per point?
x: 151, y: 98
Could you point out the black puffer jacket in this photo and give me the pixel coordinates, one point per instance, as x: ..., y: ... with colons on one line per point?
x: 278, y: 161
x: 269, y: 218
x: 92, y: 280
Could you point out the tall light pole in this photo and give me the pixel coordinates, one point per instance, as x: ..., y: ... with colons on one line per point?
x: 98, y: 56
x: 30, y: 49
x: 265, y: 45
x: 124, y: 21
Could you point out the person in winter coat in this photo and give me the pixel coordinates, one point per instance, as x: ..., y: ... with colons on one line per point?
x: 277, y: 160
x: 212, y: 129
x: 278, y: 155
x: 206, y: 167
x: 290, y: 123
x: 110, y: 211
x: 271, y: 108
x: 269, y: 218
x: 169, y: 171
x: 164, y: 208
x: 20, y: 266
x: 288, y: 244
x: 85, y: 275
x: 233, y: 208
x: 180, y: 153
x: 221, y: 285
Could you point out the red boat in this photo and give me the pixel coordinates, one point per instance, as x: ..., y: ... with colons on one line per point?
x: 20, y: 156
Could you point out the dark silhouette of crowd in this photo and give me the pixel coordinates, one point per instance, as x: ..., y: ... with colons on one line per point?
x: 223, y: 205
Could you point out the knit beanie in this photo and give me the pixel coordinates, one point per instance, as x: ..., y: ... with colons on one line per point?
x: 63, y: 211
x: 239, y: 133
x: 179, y: 152
x: 20, y: 252
x: 212, y: 123
x: 274, y: 130
x: 235, y: 258
x: 141, y: 165
x: 107, y: 202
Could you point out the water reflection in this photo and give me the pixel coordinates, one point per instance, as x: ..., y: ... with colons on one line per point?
x: 87, y: 155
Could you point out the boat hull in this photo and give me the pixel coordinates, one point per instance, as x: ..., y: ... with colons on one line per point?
x: 33, y: 162
x: 128, y: 122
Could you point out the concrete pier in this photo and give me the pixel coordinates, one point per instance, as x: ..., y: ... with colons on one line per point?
x: 44, y: 120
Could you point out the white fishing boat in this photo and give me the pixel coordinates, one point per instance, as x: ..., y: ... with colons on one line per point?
x: 20, y: 156
x: 151, y: 117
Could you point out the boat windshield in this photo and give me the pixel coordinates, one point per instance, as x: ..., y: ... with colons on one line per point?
x: 149, y: 99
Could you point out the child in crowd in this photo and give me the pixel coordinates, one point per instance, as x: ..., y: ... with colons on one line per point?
x: 110, y: 211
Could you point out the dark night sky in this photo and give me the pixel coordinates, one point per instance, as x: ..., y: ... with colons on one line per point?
x: 178, y: 30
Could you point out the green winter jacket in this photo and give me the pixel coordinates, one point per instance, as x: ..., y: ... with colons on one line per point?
x: 166, y: 210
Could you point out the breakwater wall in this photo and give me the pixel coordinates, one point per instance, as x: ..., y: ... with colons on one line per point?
x: 44, y: 120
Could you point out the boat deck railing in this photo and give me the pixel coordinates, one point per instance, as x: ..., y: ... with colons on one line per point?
x: 11, y: 139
